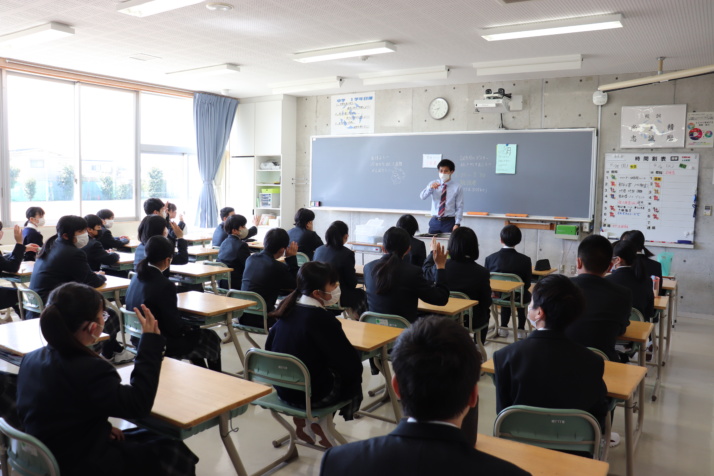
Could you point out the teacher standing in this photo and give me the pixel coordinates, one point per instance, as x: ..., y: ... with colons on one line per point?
x: 447, y: 200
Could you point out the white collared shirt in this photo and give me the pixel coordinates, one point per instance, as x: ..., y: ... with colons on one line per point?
x: 310, y: 301
x: 436, y: 422
x: 31, y: 225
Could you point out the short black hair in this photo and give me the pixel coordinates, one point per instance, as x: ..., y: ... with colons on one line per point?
x: 595, y: 251
x: 170, y: 206
x: 637, y: 238
x: 511, y: 235
x: 335, y: 234
x: 446, y: 163
x: 234, y: 222
x: 152, y: 205
x: 304, y: 216
x: 225, y: 212
x: 105, y: 214
x: 560, y: 299
x: 408, y: 223
x: 436, y: 364
x: 463, y: 244
x: 275, y: 239
x: 151, y: 225
x: 625, y: 250
x: 92, y: 221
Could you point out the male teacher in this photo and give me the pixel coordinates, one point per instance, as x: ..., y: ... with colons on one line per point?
x: 447, y: 200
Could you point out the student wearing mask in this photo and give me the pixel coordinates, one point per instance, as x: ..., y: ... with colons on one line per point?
x: 66, y: 394
x: 155, y: 225
x: 395, y: 287
x: 447, y: 199
x: 96, y: 254
x: 31, y: 233
x: 234, y: 251
x: 302, y: 234
x: 630, y: 272
x: 417, y: 253
x: 11, y: 263
x: 105, y: 237
x: 219, y: 234
x: 308, y: 331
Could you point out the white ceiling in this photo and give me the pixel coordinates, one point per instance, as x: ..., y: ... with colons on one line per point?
x: 260, y: 36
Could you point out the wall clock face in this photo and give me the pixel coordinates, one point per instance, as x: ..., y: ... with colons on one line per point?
x: 438, y: 108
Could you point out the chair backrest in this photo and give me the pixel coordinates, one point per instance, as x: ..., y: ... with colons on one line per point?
x: 226, y: 276
x: 132, y: 325
x: 665, y: 259
x: 557, y: 429
x: 260, y: 308
x: 468, y: 312
x: 27, y: 455
x: 636, y: 315
x: 512, y: 278
x: 302, y: 258
x: 389, y: 320
x: 30, y: 300
x: 599, y: 353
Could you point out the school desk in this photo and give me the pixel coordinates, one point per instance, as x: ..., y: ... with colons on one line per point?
x: 540, y: 461
x: 542, y: 273
x: 191, y: 399
x: 131, y: 246
x: 201, y: 253
x: 125, y: 263
x: 209, y: 310
x: 198, y: 273
x: 621, y: 381
x: 22, y: 276
x: 661, y: 304
x: 362, y: 248
x: 670, y: 287
x: 198, y: 239
x: 453, y: 308
x: 509, y: 287
x: 256, y: 245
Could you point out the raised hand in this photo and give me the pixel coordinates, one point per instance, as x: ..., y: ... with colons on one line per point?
x: 149, y: 324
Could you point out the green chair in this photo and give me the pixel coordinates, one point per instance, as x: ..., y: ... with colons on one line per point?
x: 212, y: 286
x: 258, y: 309
x: 635, y: 347
x: 555, y: 429
x: 30, y: 301
x: 26, y: 455
x: 287, y: 371
x: 131, y: 325
x: 504, y: 300
x: 599, y: 353
x: 302, y: 258
x: 470, y: 326
x: 611, y: 406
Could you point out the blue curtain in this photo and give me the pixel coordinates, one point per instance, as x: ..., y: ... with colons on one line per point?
x: 213, y: 118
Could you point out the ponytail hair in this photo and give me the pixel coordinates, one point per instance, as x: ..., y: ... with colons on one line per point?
x: 32, y: 212
x: 69, y: 307
x: 67, y: 225
x: 312, y: 276
x: 151, y: 225
x: 157, y: 249
x: 625, y: 250
x: 396, y: 243
x: 637, y: 238
x: 335, y: 234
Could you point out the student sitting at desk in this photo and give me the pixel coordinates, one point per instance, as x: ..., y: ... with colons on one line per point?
x: 436, y: 370
x: 31, y: 233
x: 417, y: 253
x: 11, y: 263
x: 267, y: 276
x: 150, y: 287
x: 464, y: 275
x: 302, y: 234
x: 96, y: 254
x: 508, y: 260
x: 220, y: 233
x: 630, y: 272
x: 308, y: 331
x: 171, y: 213
x: 394, y: 286
x: 66, y: 393
x: 234, y: 251
x: 155, y: 225
x: 547, y: 369
x: 652, y: 267
x: 105, y: 237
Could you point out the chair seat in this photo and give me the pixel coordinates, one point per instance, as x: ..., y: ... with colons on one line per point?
x: 273, y: 402
x: 244, y: 328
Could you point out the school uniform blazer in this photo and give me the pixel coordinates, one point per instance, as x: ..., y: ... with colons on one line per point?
x: 641, y: 289
x: 606, y: 316
x: 549, y: 370
x: 234, y: 252
x: 180, y: 257
x: 308, y: 241
x: 415, y: 449
x: 315, y: 336
x: 65, y: 401
x: 219, y: 234
x: 97, y: 255
x: 508, y: 260
x: 342, y: 259
x: 64, y: 263
x: 11, y: 262
x: 417, y: 254
x: 267, y: 276
x: 466, y: 277
x: 172, y: 236
x: 409, y: 286
x: 654, y: 268
x: 31, y: 235
x: 108, y: 241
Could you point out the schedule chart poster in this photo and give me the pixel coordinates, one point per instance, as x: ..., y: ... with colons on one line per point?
x: 653, y: 193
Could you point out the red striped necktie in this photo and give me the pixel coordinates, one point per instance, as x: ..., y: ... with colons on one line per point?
x: 442, y: 203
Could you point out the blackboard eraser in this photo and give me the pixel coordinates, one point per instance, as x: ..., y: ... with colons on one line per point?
x: 517, y: 215
x: 684, y: 242
x: 479, y: 214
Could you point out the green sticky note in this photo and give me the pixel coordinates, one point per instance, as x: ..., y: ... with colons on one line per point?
x: 506, y: 158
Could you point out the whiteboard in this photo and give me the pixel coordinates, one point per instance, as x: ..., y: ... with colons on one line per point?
x: 653, y: 193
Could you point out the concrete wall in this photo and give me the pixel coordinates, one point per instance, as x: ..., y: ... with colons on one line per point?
x: 548, y: 103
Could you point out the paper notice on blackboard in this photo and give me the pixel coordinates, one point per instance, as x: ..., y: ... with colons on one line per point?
x: 430, y: 161
x: 506, y: 158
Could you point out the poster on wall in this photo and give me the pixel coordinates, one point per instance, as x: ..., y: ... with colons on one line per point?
x: 653, y: 127
x: 700, y: 128
x: 352, y: 114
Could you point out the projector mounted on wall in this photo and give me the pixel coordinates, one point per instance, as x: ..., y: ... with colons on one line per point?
x: 498, y: 102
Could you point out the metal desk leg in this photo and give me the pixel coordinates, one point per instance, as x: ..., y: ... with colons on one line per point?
x: 228, y: 443
x: 671, y: 313
x: 19, y: 301
x: 234, y: 336
x: 514, y: 315
x: 388, y: 383
x: 117, y: 303
x: 660, y: 362
x: 630, y: 435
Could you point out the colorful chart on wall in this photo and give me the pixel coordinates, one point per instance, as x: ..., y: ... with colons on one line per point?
x: 653, y: 126
x: 700, y: 129
x: 653, y: 193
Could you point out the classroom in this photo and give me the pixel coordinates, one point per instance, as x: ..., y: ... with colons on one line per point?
x: 102, y: 116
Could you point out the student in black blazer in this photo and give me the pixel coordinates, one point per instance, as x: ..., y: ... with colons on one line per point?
x: 171, y: 212
x: 11, y: 263
x: 547, y: 369
x: 308, y: 331
x: 308, y: 241
x: 652, y: 267
x: 267, y: 276
x: 394, y: 286
x: 417, y: 253
x: 607, y: 305
x: 436, y: 370
x: 342, y: 259
x: 508, y: 260
x: 96, y: 254
x: 66, y: 393
x: 105, y: 237
x: 150, y: 287
x: 155, y: 225
x: 464, y: 275
x: 31, y: 233
x: 234, y: 251
x: 629, y: 272
x: 219, y: 234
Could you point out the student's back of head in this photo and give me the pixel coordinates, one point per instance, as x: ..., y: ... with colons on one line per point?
x: 275, y: 239
x: 436, y: 365
x: 105, y: 214
x: 595, y: 254
x: 312, y: 276
x: 335, y: 234
x: 152, y: 205
x: 151, y: 225
x: 511, y: 235
x: 637, y: 238
x: 158, y: 248
x: 226, y: 212
x: 66, y: 228
x: 560, y: 299
x: 304, y: 216
x: 626, y: 251
x: 463, y: 244
x: 396, y: 243
x: 408, y: 223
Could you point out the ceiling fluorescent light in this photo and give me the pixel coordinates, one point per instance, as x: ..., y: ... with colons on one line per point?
x: 315, y: 84
x: 659, y: 78
x: 528, y: 65
x: 217, y: 70
x: 558, y: 27
x: 144, y: 8
x: 351, y: 51
x: 405, y: 75
x: 37, y: 34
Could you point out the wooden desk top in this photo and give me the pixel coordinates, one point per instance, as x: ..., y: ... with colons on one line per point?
x: 190, y: 395
x: 637, y: 331
x: 125, y: 258
x: 669, y: 284
x: 200, y: 250
x: 368, y: 337
x: 114, y: 283
x: 258, y: 245
x: 544, y: 272
x: 500, y: 286
x: 132, y: 244
x: 454, y: 306
x: 198, y: 270
x: 540, y: 461
x: 206, y: 304
x: 661, y: 302
x: 26, y: 268
x: 621, y: 380
x: 359, y: 269
x: 22, y: 337
x: 192, y: 237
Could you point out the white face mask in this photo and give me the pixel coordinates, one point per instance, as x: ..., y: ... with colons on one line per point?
x: 82, y: 240
x: 108, y: 224
x: 242, y: 233
x: 41, y: 222
x: 334, y: 296
x: 444, y: 177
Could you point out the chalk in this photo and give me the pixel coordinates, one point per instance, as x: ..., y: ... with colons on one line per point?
x: 560, y: 218
x: 480, y: 214
x: 517, y: 215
